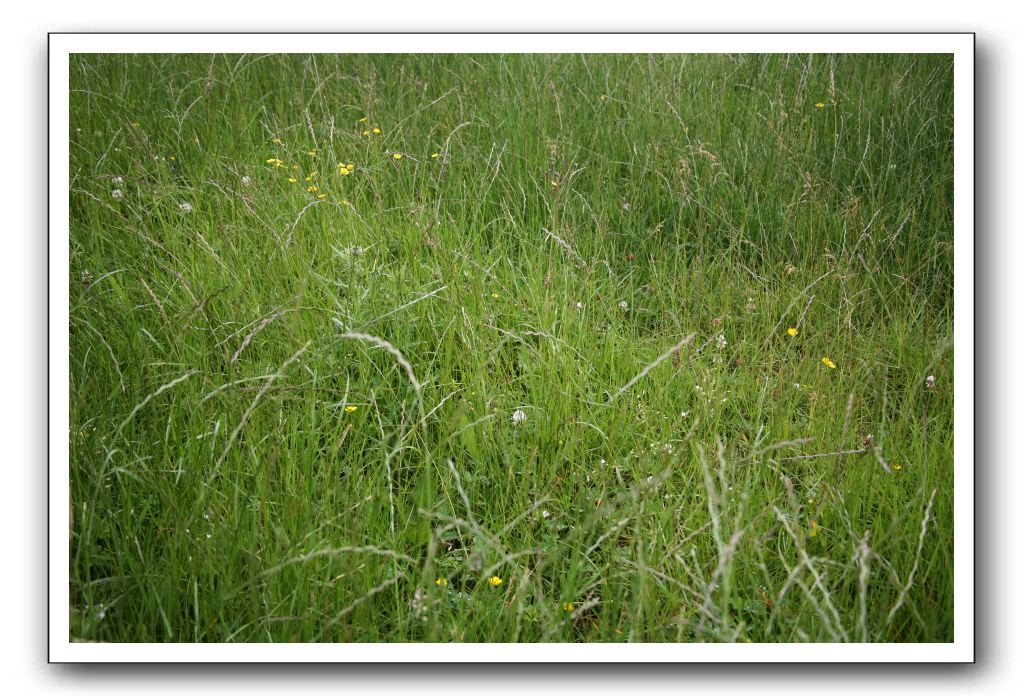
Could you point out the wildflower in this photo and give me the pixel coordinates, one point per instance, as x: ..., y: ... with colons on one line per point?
x: 442, y: 582
x: 792, y: 331
x: 518, y: 416
x: 603, y: 97
x: 311, y: 153
x: 376, y: 131
x: 292, y: 180
x: 246, y: 181
x: 797, y: 386
x: 312, y: 189
x: 721, y: 341
x: 568, y: 606
x: 275, y: 162
x: 494, y: 295
x: 350, y: 166
x: 185, y: 208
x: 546, y: 514
x: 366, y: 133
x: 819, y: 105
x: 897, y: 467
x: 930, y: 381
x: 751, y: 306
x: 578, y: 305
x: 118, y: 179
x: 172, y: 158
x: 495, y: 581
x: 827, y: 361
x: 117, y: 194
x: 396, y: 155
x: 363, y: 119
x: 623, y: 305
x: 277, y: 141
x: 350, y: 409
x: 321, y: 196
x: 435, y: 155
x: 554, y: 184
x: 814, y: 528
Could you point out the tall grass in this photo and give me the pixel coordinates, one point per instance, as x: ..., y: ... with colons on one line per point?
x: 292, y: 402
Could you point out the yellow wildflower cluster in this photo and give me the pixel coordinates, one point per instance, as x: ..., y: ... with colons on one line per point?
x: 345, y: 169
x: 275, y: 162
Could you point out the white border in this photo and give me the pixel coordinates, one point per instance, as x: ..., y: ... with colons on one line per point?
x: 961, y: 45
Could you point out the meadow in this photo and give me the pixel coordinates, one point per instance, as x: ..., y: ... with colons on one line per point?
x: 511, y: 348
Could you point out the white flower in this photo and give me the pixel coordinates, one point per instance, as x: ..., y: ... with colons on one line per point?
x: 685, y: 414
x: 246, y: 181
x: 118, y: 179
x: 545, y: 514
x: 117, y: 194
x: 518, y: 416
x: 185, y: 208
x: 578, y: 305
x: 721, y: 340
x: 623, y: 305
x: 797, y: 385
x: 930, y: 381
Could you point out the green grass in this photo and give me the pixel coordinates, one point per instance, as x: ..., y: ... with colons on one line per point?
x: 583, y: 215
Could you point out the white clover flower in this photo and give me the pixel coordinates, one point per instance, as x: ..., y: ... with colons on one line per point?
x: 545, y: 514
x: 185, y: 208
x: 721, y: 341
x: 117, y: 194
x: 518, y: 416
x: 623, y: 305
x: 246, y: 181
x: 118, y: 179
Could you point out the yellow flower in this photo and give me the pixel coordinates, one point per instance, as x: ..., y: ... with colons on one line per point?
x: 363, y: 119
x: 603, y: 97
x: 494, y: 295
x: 172, y: 158
x: 897, y: 466
x: 442, y: 582
x: 366, y: 133
x: 792, y: 331
x: 134, y: 124
x: 819, y: 105
x: 308, y: 178
x: 813, y: 529
x: 396, y: 155
x: 827, y: 361
x: 275, y: 162
x: 349, y: 166
x: 554, y: 184
x: 495, y: 581
x: 350, y: 409
x: 292, y: 180
x: 568, y: 606
x: 312, y: 189
x: 311, y: 153
x: 376, y: 131
x: 435, y: 155
x: 277, y: 141
x: 321, y: 195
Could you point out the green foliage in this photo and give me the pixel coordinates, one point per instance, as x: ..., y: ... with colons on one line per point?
x: 582, y: 215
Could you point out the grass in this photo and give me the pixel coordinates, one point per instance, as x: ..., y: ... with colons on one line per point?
x: 547, y: 344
